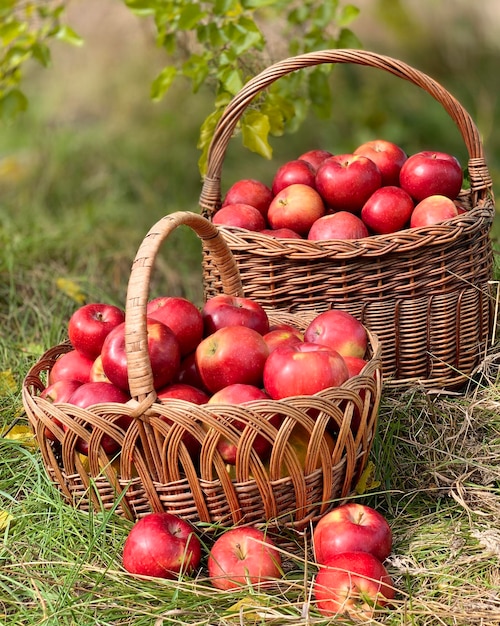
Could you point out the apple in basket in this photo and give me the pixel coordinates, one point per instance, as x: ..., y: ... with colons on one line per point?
x: 283, y: 337
x: 387, y: 210
x: 352, y: 527
x: 71, y: 365
x: 249, y: 191
x: 181, y: 316
x: 60, y: 391
x: 233, y: 354
x: 315, y: 156
x: 225, y: 310
x: 90, y: 324
x: 430, y: 173
x: 296, y: 207
x: 387, y: 156
x: 240, y: 216
x: 293, y: 172
x: 433, y: 210
x: 161, y: 545
x: 352, y: 583
x: 339, y: 330
x: 346, y: 181
x: 243, y: 556
x: 281, y: 233
x: 339, y: 225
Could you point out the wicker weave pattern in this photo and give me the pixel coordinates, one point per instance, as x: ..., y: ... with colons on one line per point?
x: 155, y: 472
x: 423, y: 291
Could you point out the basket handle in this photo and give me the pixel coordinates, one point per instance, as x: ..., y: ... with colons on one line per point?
x: 139, y: 364
x: 480, y: 178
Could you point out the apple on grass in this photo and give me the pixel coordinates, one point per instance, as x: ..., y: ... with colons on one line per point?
x: 240, y: 216
x: 387, y: 210
x: 339, y: 330
x: 433, y: 210
x: 296, y: 207
x: 181, y: 316
x: 72, y: 365
x: 387, y: 156
x: 293, y: 172
x: 430, y: 173
x: 249, y: 191
x: 352, y: 583
x: 90, y: 324
x: 162, y: 545
x: 352, y: 527
x: 339, y: 225
x: 241, y: 556
x: 224, y: 310
x: 346, y: 181
x: 233, y: 354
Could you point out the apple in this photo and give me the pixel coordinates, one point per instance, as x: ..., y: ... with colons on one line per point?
x: 181, y: 316
x: 60, y: 391
x: 293, y: 172
x: 224, y: 310
x: 296, y: 207
x: 72, y: 365
x: 339, y: 330
x: 241, y: 394
x: 282, y: 337
x: 430, y: 173
x: 354, y: 364
x: 346, y: 181
x: 188, y: 372
x: 233, y: 354
x: 315, y: 157
x: 242, y: 556
x: 433, y: 210
x: 281, y: 233
x: 352, y: 527
x: 303, y: 369
x: 249, y: 191
x: 387, y: 210
x: 163, y: 545
x: 240, y: 216
x: 97, y: 372
x: 353, y: 583
x: 87, y: 395
x: 182, y: 391
x: 90, y: 324
x: 387, y: 156
x: 164, y: 354
x: 339, y: 225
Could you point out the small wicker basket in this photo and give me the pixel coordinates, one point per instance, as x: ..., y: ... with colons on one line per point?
x: 154, y: 471
x: 423, y: 291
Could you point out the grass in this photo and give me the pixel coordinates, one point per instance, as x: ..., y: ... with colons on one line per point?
x: 77, y: 199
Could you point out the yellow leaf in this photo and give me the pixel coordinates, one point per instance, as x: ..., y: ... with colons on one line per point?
x: 23, y: 434
x: 250, y: 607
x: 5, y: 519
x: 7, y: 382
x: 367, y: 480
x: 71, y: 289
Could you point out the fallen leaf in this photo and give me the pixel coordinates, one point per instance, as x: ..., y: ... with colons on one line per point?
x: 23, y: 434
x: 71, y: 289
x: 367, y: 479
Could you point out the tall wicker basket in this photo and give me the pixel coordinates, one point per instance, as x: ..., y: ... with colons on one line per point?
x: 154, y: 470
x: 423, y: 291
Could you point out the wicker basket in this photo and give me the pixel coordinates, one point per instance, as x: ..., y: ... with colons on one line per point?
x: 423, y: 291
x: 154, y: 471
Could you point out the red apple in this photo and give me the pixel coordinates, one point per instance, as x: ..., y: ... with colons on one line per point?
x: 282, y: 337
x: 188, y: 372
x: 303, y: 369
x: 161, y: 545
x: 233, y: 354
x: 339, y: 225
x: 353, y: 583
x: 60, y: 391
x: 291, y: 173
x: 87, y: 395
x: 281, y: 233
x: 296, y: 207
x: 97, y: 372
x: 430, y: 173
x: 249, y: 191
x: 387, y: 210
x: 89, y: 326
x: 387, y: 156
x: 181, y: 316
x: 346, y: 181
x: 242, y: 556
x: 164, y: 354
x: 433, y: 210
x: 224, y: 310
x: 315, y: 157
x: 72, y: 365
x: 352, y: 527
x: 339, y: 330
x: 240, y: 216
x: 354, y: 364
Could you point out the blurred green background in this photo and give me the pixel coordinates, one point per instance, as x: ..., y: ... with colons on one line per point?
x: 94, y: 162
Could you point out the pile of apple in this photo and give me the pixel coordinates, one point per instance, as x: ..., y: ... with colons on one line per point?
x: 226, y: 352
x: 350, y: 545
x: 375, y: 190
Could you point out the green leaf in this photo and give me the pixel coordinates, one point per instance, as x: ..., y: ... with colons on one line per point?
x: 190, y: 16
x: 320, y: 94
x: 205, y: 138
x: 196, y: 68
x: 255, y: 129
x: 257, y: 4
x: 67, y: 34
x: 226, y: 7
x: 162, y: 82
x: 230, y: 79
x: 347, y: 39
x: 41, y: 53
x: 10, y: 30
x: 347, y: 15
x: 12, y: 103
